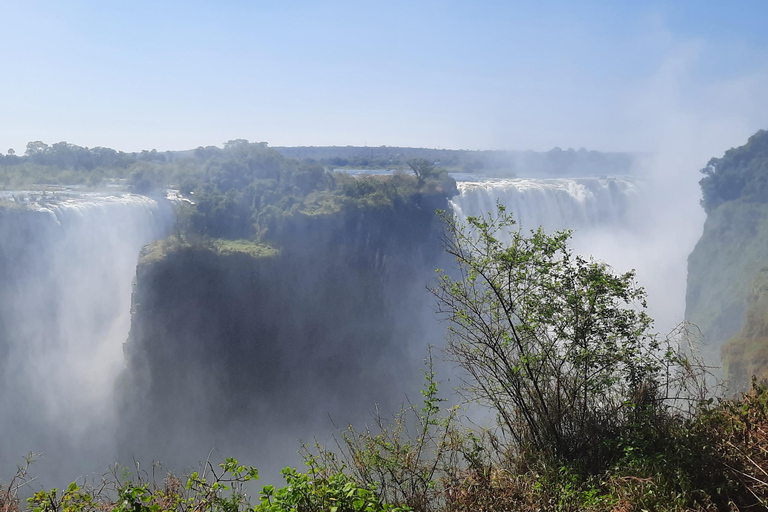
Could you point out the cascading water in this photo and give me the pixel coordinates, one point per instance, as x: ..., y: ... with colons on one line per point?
x: 565, y: 203
x: 620, y: 220
x: 66, y: 268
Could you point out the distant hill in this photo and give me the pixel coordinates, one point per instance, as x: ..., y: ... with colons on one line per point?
x: 556, y: 162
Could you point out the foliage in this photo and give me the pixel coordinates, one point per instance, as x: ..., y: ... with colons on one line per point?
x: 9, y: 494
x: 319, y: 492
x: 559, y: 346
x: 212, y: 489
x: 243, y: 190
x: 423, y: 169
x: 425, y: 172
x: 741, y: 173
x: 738, y: 449
x: 714, y: 460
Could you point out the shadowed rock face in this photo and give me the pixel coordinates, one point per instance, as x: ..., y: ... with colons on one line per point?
x: 248, y: 354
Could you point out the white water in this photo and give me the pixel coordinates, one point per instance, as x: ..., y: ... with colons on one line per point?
x: 69, y: 263
x: 612, y: 219
x: 564, y: 203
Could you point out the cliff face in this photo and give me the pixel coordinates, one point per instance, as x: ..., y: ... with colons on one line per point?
x: 746, y: 354
x: 730, y: 254
x: 731, y: 251
x: 238, y: 352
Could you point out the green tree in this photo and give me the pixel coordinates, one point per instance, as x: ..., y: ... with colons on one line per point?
x: 36, y: 148
x: 740, y: 174
x: 423, y: 169
x: 558, y: 345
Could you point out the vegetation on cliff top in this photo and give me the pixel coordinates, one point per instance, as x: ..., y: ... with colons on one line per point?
x: 555, y: 162
x: 740, y: 174
x: 63, y: 163
x: 248, y: 192
x: 243, y: 191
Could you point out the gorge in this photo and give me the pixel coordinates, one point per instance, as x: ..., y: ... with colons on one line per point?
x: 226, y: 346
x: 274, y: 300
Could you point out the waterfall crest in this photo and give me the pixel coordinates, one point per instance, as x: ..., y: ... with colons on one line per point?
x: 557, y: 203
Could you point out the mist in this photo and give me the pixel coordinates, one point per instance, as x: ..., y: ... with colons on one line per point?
x: 67, y: 263
x: 195, y: 352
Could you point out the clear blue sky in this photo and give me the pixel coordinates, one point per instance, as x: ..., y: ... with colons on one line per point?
x: 613, y: 75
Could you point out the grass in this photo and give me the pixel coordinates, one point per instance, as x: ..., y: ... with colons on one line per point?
x: 250, y: 248
x: 161, y: 249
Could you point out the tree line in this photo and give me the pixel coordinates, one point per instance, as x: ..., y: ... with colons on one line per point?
x: 241, y: 190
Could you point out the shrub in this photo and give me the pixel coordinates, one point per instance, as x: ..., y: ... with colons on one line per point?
x: 559, y: 346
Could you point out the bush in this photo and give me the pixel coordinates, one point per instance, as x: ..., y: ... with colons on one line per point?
x: 558, y: 345
x: 320, y: 492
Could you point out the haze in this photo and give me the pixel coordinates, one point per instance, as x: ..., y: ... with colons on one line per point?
x: 479, y: 75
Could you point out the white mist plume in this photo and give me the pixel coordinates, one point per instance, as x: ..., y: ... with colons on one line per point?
x: 683, y: 118
x: 68, y: 268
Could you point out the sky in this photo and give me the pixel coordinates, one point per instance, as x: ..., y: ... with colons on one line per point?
x: 612, y: 75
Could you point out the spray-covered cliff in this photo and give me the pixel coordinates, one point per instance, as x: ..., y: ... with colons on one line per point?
x: 731, y: 252
x: 746, y: 354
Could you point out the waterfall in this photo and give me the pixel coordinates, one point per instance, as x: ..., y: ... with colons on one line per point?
x: 67, y: 265
x: 625, y: 222
x: 564, y: 203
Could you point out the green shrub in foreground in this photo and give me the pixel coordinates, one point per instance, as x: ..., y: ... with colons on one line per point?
x: 308, y: 492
